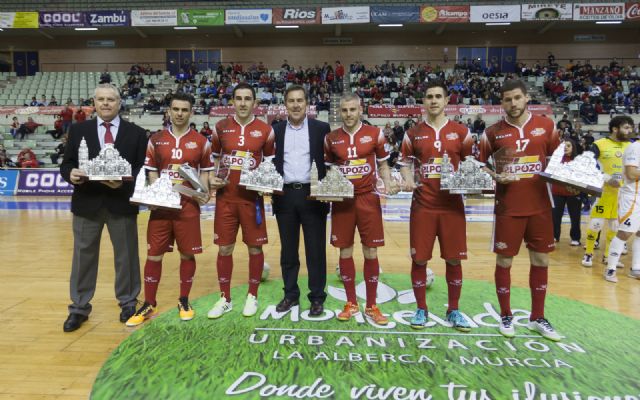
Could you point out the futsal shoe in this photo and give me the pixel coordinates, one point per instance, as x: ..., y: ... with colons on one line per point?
x: 145, y: 312
x: 250, y: 306
x: 350, y: 309
x: 221, y: 307
x: 587, y: 260
x: 634, y: 273
x: 544, y: 328
x: 610, y: 275
x: 419, y: 319
x: 185, y: 310
x: 458, y: 321
x: 506, y: 326
x: 375, y: 315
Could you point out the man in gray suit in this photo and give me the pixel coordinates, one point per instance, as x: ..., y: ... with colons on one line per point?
x: 96, y: 204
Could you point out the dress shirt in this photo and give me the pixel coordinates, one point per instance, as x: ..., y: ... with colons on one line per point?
x: 296, y: 158
x: 102, y: 131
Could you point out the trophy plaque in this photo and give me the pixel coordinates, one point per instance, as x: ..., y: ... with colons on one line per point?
x: 263, y: 179
x: 581, y: 173
x: 503, y: 160
x: 158, y: 194
x: 107, y: 166
x: 468, y: 179
x: 333, y: 187
x: 190, y: 175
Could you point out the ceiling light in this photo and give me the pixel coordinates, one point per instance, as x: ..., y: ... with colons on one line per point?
x: 287, y: 26
x: 390, y: 25
x: 86, y: 29
x: 608, y: 22
x: 498, y: 23
x: 185, y: 28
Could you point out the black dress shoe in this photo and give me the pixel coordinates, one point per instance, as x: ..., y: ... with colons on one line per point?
x: 286, y: 304
x: 317, y: 308
x: 126, y: 313
x: 73, y: 322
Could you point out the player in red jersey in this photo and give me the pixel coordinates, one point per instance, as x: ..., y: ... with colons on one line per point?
x: 356, y: 149
x: 166, y: 151
x: 232, y: 140
x: 435, y: 213
x: 520, y: 144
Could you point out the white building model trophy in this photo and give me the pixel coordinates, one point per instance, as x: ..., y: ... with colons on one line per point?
x: 333, y: 187
x: 468, y: 179
x: 581, y: 173
x: 158, y: 194
x: 264, y: 178
x: 107, y: 166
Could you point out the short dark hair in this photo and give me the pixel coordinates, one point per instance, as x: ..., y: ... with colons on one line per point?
x: 294, y: 88
x: 437, y: 84
x: 619, y: 120
x: 513, y: 84
x: 181, y: 96
x: 243, y: 85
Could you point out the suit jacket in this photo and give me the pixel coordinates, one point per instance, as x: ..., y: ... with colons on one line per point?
x: 317, y: 131
x: 89, y: 197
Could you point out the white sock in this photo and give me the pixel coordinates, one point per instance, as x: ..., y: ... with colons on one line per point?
x: 615, y: 250
x: 635, y: 254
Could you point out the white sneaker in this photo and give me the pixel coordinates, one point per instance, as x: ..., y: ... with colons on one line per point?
x: 543, y: 327
x: 574, y: 243
x: 221, y: 307
x: 625, y: 251
x: 250, y: 306
x: 610, y: 275
x: 634, y: 273
x: 506, y: 326
x: 618, y: 265
x: 587, y: 260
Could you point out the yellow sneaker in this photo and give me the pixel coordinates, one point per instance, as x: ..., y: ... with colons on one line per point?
x: 185, y: 310
x: 349, y: 311
x: 144, y: 313
x: 375, y: 315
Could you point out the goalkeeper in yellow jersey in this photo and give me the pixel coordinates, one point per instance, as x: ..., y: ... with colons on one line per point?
x: 608, y: 151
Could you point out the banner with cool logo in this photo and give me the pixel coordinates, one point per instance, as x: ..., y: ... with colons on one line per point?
x: 42, y: 182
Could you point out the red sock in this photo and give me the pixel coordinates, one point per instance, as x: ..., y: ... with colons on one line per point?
x: 225, y: 268
x: 187, y: 271
x: 503, y: 289
x: 371, y: 274
x: 454, y: 284
x: 348, y: 275
x: 538, y: 284
x: 256, y: 265
x: 152, y: 273
x: 419, y: 283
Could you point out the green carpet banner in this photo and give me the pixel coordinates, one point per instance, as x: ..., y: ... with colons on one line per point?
x: 293, y: 355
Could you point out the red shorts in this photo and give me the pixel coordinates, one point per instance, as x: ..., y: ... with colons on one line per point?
x: 364, y: 212
x: 449, y: 227
x: 161, y: 233
x: 536, y: 230
x: 230, y: 215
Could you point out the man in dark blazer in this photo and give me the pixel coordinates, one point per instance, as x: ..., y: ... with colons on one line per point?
x: 97, y: 203
x: 299, y: 142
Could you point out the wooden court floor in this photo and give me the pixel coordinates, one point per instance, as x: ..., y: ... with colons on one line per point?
x: 39, y: 361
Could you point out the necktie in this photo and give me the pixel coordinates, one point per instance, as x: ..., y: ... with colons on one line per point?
x: 108, y: 137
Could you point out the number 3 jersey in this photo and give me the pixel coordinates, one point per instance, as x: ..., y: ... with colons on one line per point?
x: 522, y: 151
x: 356, y: 155
x: 166, y: 152
x: 423, y: 146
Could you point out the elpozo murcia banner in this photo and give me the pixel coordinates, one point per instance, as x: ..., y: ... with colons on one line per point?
x: 394, y: 14
x: 598, y: 11
x: 632, y: 11
x: 444, y: 14
x: 19, y: 20
x: 547, y: 11
x: 262, y: 16
x: 495, y: 13
x: 346, y: 15
x: 189, y: 17
x: 154, y: 17
x: 296, y: 16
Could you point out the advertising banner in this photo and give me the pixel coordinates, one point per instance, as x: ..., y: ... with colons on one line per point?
x: 107, y: 18
x: 226, y: 111
x: 42, y: 182
x: 632, y: 10
x: 39, y: 110
x: 345, y: 15
x: 394, y: 14
x: 262, y: 16
x: 61, y: 19
x: 598, y: 11
x: 496, y: 13
x: 8, y: 181
x: 193, y: 17
x: 17, y: 20
x: 154, y: 17
x: 440, y: 14
x: 296, y: 16
x: 547, y: 11
x: 385, y: 111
